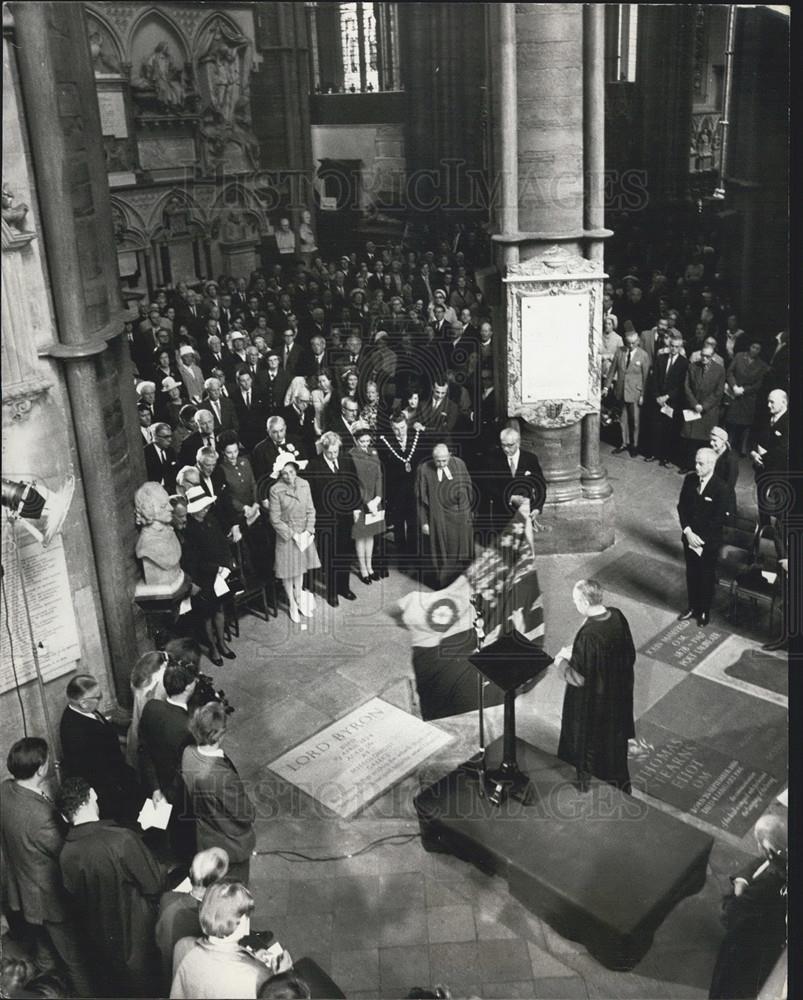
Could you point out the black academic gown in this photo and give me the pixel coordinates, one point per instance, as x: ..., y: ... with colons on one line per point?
x: 114, y: 883
x: 598, y: 717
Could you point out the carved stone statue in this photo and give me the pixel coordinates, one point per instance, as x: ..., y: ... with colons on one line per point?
x: 102, y: 62
x: 224, y: 65
x: 13, y: 215
x: 157, y: 547
x: 160, y: 74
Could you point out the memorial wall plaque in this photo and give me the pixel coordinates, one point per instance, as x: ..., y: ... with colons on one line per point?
x: 166, y: 152
x: 47, y: 586
x: 111, y: 104
x: 554, y: 347
x: 554, y: 320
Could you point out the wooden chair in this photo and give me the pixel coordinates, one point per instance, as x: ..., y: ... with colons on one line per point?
x: 249, y: 592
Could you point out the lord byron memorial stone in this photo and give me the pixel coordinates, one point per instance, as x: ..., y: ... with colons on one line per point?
x: 356, y: 759
x: 554, y: 318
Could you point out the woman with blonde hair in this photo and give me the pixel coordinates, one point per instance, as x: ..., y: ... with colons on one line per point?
x: 146, y: 685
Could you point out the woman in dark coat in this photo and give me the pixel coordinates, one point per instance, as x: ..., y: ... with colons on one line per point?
x: 366, y: 522
x: 204, y: 554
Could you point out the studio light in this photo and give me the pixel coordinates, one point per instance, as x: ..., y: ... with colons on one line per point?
x: 33, y: 502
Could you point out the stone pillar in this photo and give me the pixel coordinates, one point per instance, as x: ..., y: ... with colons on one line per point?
x: 550, y: 254
x: 64, y: 127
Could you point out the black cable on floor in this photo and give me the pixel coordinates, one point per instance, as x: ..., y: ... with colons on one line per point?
x: 400, y: 839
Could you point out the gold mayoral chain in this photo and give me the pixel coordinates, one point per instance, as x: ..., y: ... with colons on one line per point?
x: 401, y: 458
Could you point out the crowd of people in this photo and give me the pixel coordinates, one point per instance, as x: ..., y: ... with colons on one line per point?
x: 300, y: 419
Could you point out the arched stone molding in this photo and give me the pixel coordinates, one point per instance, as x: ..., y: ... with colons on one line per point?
x: 108, y: 54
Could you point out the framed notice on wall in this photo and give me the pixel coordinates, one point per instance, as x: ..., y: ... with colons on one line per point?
x: 554, y: 347
x: 554, y: 320
x: 47, y: 586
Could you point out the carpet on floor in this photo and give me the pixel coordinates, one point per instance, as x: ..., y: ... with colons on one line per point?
x: 645, y: 579
x: 765, y: 670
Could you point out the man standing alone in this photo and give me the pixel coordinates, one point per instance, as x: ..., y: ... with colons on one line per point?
x: 702, y: 509
x: 628, y: 376
x: 597, y: 717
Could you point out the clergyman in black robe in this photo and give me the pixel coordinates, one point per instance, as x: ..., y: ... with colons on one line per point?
x: 598, y: 706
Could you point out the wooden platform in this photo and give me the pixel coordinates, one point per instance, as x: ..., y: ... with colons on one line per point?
x: 601, y: 868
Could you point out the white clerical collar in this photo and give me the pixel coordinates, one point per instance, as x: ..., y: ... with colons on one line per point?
x: 178, y: 704
x: 210, y: 751
x: 444, y: 472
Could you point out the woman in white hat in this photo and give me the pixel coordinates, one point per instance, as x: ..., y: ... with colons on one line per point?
x: 367, y: 521
x: 439, y: 298
x: 190, y: 372
x: 170, y: 401
x: 292, y: 515
x: 206, y: 558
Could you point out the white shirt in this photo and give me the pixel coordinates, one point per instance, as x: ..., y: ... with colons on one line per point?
x: 178, y: 704
x: 513, y: 461
x: 704, y: 482
x: 332, y: 464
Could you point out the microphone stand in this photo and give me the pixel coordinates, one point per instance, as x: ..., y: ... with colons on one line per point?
x: 478, y: 761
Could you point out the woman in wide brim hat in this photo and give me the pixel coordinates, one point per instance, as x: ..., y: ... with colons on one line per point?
x: 204, y: 554
x: 292, y: 515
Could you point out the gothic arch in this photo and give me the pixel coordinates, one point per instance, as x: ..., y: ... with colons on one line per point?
x: 197, y: 218
x: 139, y: 27
x: 95, y: 21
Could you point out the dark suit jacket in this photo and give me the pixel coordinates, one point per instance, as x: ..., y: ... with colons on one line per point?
x: 90, y: 749
x: 727, y: 469
x: 274, y: 391
x: 263, y: 457
x: 335, y: 495
x: 158, y: 471
x: 32, y: 839
x: 302, y: 428
x: 163, y: 734
x: 251, y: 419
x: 673, y: 385
x: 529, y: 481
x: 228, y: 415
x: 295, y: 360
x: 775, y: 439
x: 704, y: 513
x: 189, y: 449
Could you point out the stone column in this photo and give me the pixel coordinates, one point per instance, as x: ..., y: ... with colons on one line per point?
x: 551, y: 250
x: 64, y: 127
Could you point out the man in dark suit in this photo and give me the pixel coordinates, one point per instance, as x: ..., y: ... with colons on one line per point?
x: 221, y: 407
x: 336, y: 495
x: 300, y: 419
x: 213, y: 356
x: 203, y: 437
x: 257, y: 369
x: 771, y: 454
x: 114, y: 884
x: 160, y: 459
x: 318, y: 357
x: 439, y: 414
x: 267, y: 451
x: 275, y: 385
x: 511, y: 473
x: 32, y: 840
x: 666, y: 389
x: 291, y: 354
x: 91, y: 749
x: 163, y: 734
x: 251, y: 412
x: 342, y: 424
x: 441, y: 327
x: 702, y: 510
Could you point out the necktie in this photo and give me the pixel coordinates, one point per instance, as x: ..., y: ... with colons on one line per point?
x: 512, y: 463
x: 216, y: 408
x: 669, y: 363
x: 354, y: 359
x: 629, y: 353
x: 210, y: 443
x: 248, y: 400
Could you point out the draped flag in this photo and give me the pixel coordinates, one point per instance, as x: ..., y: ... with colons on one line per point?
x: 498, y: 591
